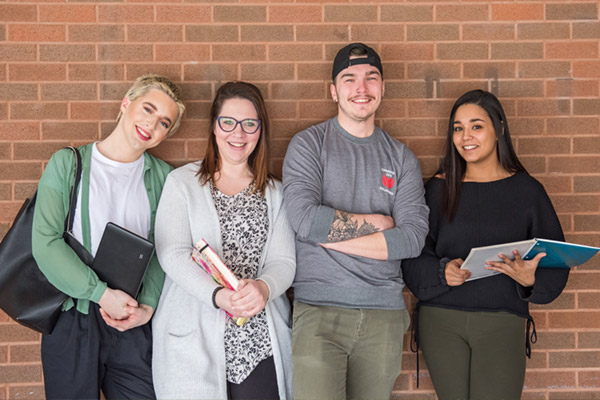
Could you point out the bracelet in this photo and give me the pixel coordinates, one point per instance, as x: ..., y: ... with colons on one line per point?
x: 214, y: 296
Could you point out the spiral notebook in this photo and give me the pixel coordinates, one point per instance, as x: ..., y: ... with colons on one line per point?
x: 122, y: 259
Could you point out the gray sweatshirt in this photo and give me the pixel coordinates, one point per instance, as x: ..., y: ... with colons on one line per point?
x: 328, y: 169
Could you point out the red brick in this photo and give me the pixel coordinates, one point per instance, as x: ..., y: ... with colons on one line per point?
x: 239, y: 13
x: 18, y: 91
x: 350, y: 13
x: 408, y: 128
x: 462, y: 51
x: 314, y: 71
x: 573, y: 359
x: 588, y: 340
x: 239, y: 52
x: 407, y: 52
x: 292, y: 91
x: 83, y: 131
x: 18, y: 13
x: 556, y: 184
x: 3, y: 354
x: 67, y: 52
x: 452, y: 90
x: 96, y: 33
x: 487, y: 70
x: 212, y: 33
x: 68, y: 91
x: 267, y: 33
x: 34, y: 151
x: 433, y: 72
x: 210, y: 72
x: 544, y: 145
x: 515, y: 51
x: 583, y: 281
x: 433, y: 32
x: 267, y: 71
x: 113, y: 91
x: 488, y: 31
x: 427, y: 147
x: 584, y: 299
x: 197, y: 91
x: 430, y: 108
x: 68, y: 13
x: 38, y: 111
x: 572, y: 50
x: 197, y: 109
x: 392, y: 108
x: 543, y: 30
x: 517, y: 12
x: 96, y: 72
x: 586, y: 30
x: 376, y: 33
x: 520, y: 88
x: 129, y: 52
x: 316, y: 110
x: 154, y: 33
x: 36, y: 33
x: 406, y: 13
x: 25, y: 353
x: 573, y: 125
x: 539, y: 108
x: 125, y: 13
x: 281, y: 109
x: 544, y: 69
x: 572, y: 88
x: 405, y: 90
x: 183, y: 13
x: 172, y: 71
x: 573, y: 11
x: 576, y: 395
x: 586, y: 106
x: 555, y: 340
x: 295, y: 13
x: 32, y: 392
x: 94, y: 111
x: 586, y: 184
x: 19, y: 131
x: 20, y: 373
x: 37, y: 72
x: 586, y: 69
x: 196, y: 149
x: 320, y: 33
x: 574, y: 203
x: 586, y: 145
x: 470, y: 12
x: 172, y: 149
x: 545, y: 379
x: 20, y: 52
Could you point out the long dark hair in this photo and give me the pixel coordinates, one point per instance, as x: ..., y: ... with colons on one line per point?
x: 258, y: 160
x: 453, y: 166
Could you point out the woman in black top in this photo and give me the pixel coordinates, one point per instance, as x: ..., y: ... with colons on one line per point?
x: 473, y: 333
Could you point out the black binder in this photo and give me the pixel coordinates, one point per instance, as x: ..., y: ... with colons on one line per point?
x: 122, y: 259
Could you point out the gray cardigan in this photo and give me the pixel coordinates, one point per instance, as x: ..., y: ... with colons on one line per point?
x: 188, y: 332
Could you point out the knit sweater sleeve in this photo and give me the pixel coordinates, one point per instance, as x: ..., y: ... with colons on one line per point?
x: 424, y: 275
x: 544, y: 224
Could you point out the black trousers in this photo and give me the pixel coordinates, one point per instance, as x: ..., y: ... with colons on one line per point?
x: 84, y: 355
x: 261, y: 384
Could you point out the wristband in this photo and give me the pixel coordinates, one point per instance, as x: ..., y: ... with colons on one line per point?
x: 214, y: 296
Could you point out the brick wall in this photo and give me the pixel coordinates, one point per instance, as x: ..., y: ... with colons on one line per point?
x: 65, y: 64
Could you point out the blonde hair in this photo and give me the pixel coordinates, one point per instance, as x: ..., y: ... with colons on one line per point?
x: 144, y: 83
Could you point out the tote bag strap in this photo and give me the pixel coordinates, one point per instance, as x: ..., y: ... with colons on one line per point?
x: 73, y: 200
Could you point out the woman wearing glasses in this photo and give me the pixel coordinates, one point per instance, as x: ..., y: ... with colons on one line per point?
x: 230, y: 200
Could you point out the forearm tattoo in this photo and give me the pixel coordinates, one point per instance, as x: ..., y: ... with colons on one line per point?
x: 345, y: 227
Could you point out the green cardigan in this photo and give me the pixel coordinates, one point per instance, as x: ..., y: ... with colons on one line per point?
x: 55, y: 258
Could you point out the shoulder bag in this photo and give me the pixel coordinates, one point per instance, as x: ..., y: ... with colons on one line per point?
x: 25, y: 293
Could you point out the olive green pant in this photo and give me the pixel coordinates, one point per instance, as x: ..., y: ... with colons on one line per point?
x: 473, y: 355
x: 343, y: 353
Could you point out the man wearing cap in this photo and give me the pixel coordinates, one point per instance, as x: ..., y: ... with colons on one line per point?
x: 354, y: 196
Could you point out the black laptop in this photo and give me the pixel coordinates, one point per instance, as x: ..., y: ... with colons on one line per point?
x: 122, y: 259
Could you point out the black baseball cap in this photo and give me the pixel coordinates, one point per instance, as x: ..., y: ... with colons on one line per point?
x: 342, y: 59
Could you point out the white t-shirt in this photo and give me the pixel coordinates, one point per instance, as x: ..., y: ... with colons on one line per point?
x: 118, y: 195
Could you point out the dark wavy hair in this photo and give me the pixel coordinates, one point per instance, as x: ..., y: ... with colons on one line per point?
x: 258, y: 162
x: 453, y: 166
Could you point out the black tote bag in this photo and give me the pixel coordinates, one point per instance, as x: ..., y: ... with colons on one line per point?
x: 25, y: 293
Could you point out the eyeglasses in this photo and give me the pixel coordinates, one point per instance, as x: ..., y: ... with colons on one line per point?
x: 249, y: 125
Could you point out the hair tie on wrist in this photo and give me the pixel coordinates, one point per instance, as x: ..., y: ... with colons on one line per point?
x: 214, y: 296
